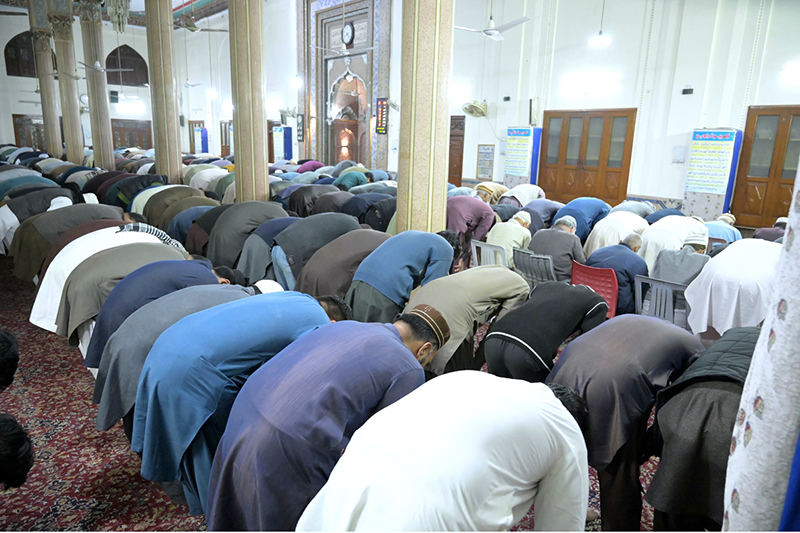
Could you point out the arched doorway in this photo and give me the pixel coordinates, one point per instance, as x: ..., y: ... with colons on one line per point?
x: 348, y: 114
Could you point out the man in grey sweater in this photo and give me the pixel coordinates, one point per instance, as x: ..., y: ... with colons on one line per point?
x: 561, y: 243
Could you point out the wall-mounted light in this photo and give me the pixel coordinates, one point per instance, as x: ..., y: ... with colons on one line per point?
x: 297, y: 82
x: 790, y: 75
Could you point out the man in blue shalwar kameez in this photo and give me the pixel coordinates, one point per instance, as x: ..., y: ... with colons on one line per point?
x: 194, y: 372
x: 384, y: 280
x: 297, y: 413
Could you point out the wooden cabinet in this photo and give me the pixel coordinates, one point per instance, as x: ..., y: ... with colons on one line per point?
x: 130, y: 133
x: 768, y: 165
x: 586, y: 153
x: 455, y: 161
x: 226, y: 137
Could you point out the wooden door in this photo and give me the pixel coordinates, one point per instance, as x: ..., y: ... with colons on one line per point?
x: 29, y: 131
x: 130, y: 133
x: 768, y: 165
x: 226, y: 137
x: 586, y: 153
x: 455, y: 159
x: 192, y: 125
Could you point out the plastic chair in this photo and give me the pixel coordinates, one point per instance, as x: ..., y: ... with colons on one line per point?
x: 602, y: 280
x: 534, y: 268
x: 713, y: 241
x: 484, y: 253
x: 663, y: 297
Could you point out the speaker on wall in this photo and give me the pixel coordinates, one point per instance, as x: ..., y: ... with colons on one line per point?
x: 182, y: 120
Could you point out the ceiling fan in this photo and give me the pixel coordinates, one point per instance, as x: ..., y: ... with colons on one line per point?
x: 492, y: 32
x: 190, y: 85
x: 187, y: 23
x: 99, y: 68
x: 76, y: 78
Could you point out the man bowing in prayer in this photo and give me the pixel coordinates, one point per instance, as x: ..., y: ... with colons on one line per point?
x: 194, y: 372
x: 297, y: 413
x: 383, y: 282
x: 142, y: 286
x: 618, y: 368
x: 467, y: 300
x: 423, y: 466
x: 627, y: 264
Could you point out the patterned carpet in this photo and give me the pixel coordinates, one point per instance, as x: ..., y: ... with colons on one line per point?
x: 82, y: 479
x: 88, y: 480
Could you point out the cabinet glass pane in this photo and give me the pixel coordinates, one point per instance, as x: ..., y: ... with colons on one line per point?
x: 553, y: 140
x: 594, y: 141
x: 616, y: 147
x: 792, y: 150
x: 763, y: 145
x: 574, y: 140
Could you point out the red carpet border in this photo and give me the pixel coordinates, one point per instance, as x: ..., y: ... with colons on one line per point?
x: 82, y: 479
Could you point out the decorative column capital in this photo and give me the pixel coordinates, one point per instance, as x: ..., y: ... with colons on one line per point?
x: 41, y: 41
x: 89, y: 11
x: 62, y: 27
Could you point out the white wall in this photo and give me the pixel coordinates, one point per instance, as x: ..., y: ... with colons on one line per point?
x: 209, y: 64
x: 730, y: 51
x: 15, y: 88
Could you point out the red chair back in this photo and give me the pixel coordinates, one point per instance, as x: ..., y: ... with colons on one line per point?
x: 602, y: 280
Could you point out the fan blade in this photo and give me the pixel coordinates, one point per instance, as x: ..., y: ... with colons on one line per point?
x: 467, y: 29
x: 211, y: 30
x: 89, y: 66
x: 511, y: 24
x: 495, y: 36
x: 117, y: 70
x: 13, y: 13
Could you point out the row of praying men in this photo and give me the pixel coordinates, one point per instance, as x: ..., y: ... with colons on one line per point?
x: 266, y: 408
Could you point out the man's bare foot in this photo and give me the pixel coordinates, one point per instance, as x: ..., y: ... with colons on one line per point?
x: 592, y: 514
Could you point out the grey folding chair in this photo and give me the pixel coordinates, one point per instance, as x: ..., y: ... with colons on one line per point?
x: 534, y: 268
x: 663, y: 297
x: 484, y: 253
x: 713, y: 241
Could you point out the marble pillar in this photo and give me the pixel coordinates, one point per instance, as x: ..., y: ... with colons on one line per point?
x: 163, y: 88
x: 249, y: 115
x: 92, y: 32
x: 61, y: 25
x: 424, y: 115
x: 47, y: 91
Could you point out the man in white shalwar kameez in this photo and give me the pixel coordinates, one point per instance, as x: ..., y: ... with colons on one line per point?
x: 420, y: 465
x: 612, y: 229
x: 734, y: 288
x: 48, y: 297
x: 669, y: 233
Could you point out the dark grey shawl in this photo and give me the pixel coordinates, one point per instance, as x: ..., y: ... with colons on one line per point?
x: 88, y: 286
x: 36, y: 202
x: 300, y: 240
x: 53, y: 224
x: 127, y: 349
x: 226, y: 240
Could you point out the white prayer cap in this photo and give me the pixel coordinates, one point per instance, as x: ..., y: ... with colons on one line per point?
x: 267, y: 286
x: 59, y: 202
x: 523, y: 216
x: 90, y: 198
x: 697, y: 218
x: 702, y: 240
x: 727, y: 217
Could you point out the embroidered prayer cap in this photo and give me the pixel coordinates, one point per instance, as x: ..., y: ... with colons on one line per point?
x: 696, y: 239
x: 728, y: 217
x: 435, y: 320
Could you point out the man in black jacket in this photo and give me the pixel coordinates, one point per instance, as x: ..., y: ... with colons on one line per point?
x: 696, y: 417
x: 523, y: 344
